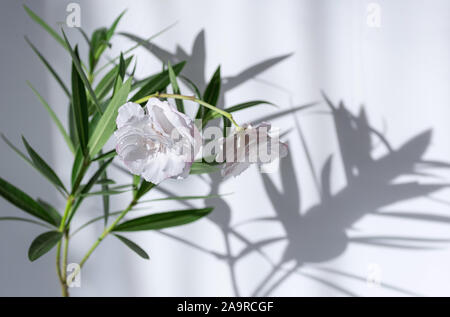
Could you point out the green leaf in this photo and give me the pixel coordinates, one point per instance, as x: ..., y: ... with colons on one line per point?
x: 43, y: 167
x: 26, y: 220
x: 37, y: 163
x: 77, y: 64
x: 72, y: 128
x: 107, y: 123
x: 117, y: 84
x: 211, y: 94
x: 104, y: 193
x: 106, y: 155
x: 143, y: 189
x: 49, y: 67
x: 43, y: 243
x: 193, y: 86
x: 96, y: 176
x: 226, y: 126
x: 107, y: 82
x: 77, y: 166
x: 93, y: 220
x: 163, y: 220
x: 98, y: 45
x: 122, y: 67
x: 113, y: 27
x: 21, y: 200
x: 133, y: 246
x: 51, y: 210
x: 134, y: 47
x: 105, y: 198
x: 246, y: 105
x: 157, y: 83
x: 45, y: 26
x: 175, y: 87
x: 80, y: 109
x: 86, y: 188
x: 54, y: 118
x: 85, y: 36
x: 15, y: 149
x: 202, y: 168
x: 238, y: 107
x: 183, y: 198
x: 105, y: 181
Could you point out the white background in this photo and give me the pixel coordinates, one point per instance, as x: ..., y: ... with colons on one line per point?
x: 399, y: 71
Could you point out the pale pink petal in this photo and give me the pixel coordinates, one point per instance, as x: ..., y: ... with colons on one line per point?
x: 129, y: 112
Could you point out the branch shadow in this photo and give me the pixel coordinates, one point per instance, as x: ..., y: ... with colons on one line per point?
x: 320, y: 233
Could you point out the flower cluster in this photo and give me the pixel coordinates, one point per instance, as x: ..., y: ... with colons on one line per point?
x: 159, y: 142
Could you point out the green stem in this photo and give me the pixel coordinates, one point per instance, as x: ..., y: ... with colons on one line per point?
x: 66, y: 250
x: 100, y: 239
x: 62, y: 273
x: 192, y: 98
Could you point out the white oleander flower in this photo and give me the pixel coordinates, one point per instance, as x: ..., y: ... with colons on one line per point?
x: 250, y: 145
x: 156, y: 143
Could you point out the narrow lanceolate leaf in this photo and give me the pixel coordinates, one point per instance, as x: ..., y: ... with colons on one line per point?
x: 238, y: 107
x: 163, y: 220
x: 43, y: 243
x: 105, y: 193
x: 26, y: 220
x: 80, y: 109
x: 105, y: 181
x: 113, y: 27
x: 36, y: 163
x: 122, y: 66
x: 18, y: 152
x: 105, y: 198
x: 143, y: 189
x: 72, y: 128
x: 202, y: 168
x: 45, y: 26
x: 93, y: 180
x: 51, y: 210
x: 107, y: 123
x: 139, y: 43
x: 98, y: 45
x: 194, y: 87
x: 226, y: 126
x: 77, y: 166
x: 175, y: 87
x: 106, y: 155
x: 106, y: 83
x: 77, y: 64
x: 212, y: 92
x: 21, y: 200
x: 246, y: 105
x: 133, y: 246
x: 49, y: 67
x: 55, y: 119
x: 43, y: 167
x: 157, y: 83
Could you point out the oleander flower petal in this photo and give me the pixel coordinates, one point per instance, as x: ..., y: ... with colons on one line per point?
x: 157, y: 142
x: 250, y: 145
x: 129, y: 112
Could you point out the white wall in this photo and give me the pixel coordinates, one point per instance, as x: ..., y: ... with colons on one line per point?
x: 400, y: 72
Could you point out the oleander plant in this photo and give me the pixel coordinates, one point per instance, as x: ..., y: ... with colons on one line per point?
x: 155, y: 139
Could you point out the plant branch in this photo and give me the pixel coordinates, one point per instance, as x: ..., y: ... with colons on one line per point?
x: 100, y: 239
x: 62, y: 273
